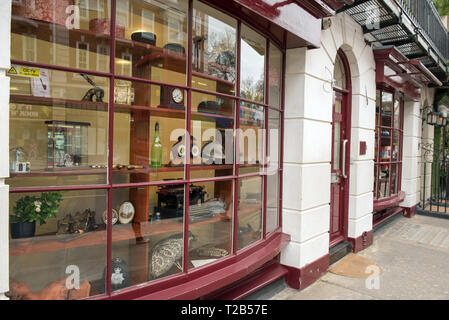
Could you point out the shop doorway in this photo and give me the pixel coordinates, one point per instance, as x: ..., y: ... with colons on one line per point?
x: 341, y: 127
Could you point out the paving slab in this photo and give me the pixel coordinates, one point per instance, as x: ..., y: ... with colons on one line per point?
x: 413, y: 255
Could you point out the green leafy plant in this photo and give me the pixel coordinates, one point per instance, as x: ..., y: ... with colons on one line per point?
x: 32, y: 208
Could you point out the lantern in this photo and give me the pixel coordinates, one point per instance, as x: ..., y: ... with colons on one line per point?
x: 432, y: 118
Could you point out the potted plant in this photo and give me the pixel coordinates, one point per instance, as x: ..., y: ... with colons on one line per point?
x: 30, y: 209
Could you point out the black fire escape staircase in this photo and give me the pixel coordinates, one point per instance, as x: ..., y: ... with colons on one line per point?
x: 413, y: 27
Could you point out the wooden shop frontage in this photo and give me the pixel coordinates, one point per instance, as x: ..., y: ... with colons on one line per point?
x: 146, y: 145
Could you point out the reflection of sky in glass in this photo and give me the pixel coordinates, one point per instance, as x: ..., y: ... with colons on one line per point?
x: 252, y: 63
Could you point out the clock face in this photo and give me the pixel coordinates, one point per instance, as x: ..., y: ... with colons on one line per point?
x: 177, y: 95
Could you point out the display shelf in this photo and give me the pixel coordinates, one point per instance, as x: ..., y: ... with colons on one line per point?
x: 169, y: 112
x: 64, y: 103
x: 40, y: 244
x: 76, y: 171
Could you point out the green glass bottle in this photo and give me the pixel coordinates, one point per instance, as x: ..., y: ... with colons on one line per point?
x: 156, y: 149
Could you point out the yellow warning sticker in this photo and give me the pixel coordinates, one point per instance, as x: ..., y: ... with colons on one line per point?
x: 24, y: 71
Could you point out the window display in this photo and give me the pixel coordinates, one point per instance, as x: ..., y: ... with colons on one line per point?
x: 124, y: 143
x: 388, y: 149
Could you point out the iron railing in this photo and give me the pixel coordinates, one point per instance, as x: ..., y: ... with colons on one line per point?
x: 424, y: 14
x: 434, y: 189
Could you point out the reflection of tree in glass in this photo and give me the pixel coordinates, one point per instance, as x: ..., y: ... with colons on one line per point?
x: 220, y: 54
x: 253, y: 90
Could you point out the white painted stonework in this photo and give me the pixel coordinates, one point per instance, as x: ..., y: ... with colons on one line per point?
x: 308, y: 141
x: 5, y: 31
x: 411, y: 152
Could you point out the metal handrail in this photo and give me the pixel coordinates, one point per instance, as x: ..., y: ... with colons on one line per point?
x: 424, y: 14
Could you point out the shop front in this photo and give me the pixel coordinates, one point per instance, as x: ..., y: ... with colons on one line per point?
x: 400, y: 98
x: 146, y: 146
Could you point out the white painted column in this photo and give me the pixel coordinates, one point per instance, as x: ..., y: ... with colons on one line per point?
x: 5, y: 34
x: 307, y: 155
x: 411, y: 155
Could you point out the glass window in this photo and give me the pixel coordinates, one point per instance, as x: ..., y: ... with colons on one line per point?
x: 212, y: 131
x: 250, y: 211
x: 58, y: 33
x: 148, y: 236
x: 66, y: 242
x: 214, y: 50
x: 59, y: 129
x: 66, y: 134
x: 252, y: 77
x: 251, y: 138
x: 149, y: 135
x: 210, y: 221
x: 388, y: 144
x: 275, y: 74
x: 151, y: 40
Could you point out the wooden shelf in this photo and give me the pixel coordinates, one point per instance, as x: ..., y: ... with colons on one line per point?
x: 76, y: 171
x: 171, y: 113
x: 64, y: 103
x: 103, y: 106
x: 40, y: 244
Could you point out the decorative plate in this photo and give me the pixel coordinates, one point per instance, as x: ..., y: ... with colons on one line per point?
x: 104, y: 216
x: 126, y: 212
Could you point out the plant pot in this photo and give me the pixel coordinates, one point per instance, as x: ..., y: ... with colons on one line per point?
x: 22, y: 229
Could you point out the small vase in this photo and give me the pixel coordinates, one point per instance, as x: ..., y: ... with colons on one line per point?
x: 22, y: 229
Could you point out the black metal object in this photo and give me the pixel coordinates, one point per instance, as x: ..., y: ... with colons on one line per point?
x: 435, y: 193
x: 386, y: 26
x: 170, y: 200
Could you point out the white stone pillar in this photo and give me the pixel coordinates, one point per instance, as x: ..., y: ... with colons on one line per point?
x: 307, y: 156
x: 411, y: 155
x: 5, y: 35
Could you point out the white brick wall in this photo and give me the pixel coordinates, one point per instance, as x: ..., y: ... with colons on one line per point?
x: 308, y: 141
x: 5, y: 27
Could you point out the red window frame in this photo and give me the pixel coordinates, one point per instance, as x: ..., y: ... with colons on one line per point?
x: 394, y: 197
x: 186, y: 274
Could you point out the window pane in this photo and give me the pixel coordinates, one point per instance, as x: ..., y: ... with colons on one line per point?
x: 384, y: 181
x: 252, y: 138
x: 214, y: 50
x: 385, y: 145
x: 149, y: 135
x: 336, y: 146
x: 152, y: 42
x: 55, y: 32
x: 210, y: 221
x: 397, y: 115
x: 250, y: 211
x: 252, y: 77
x: 148, y: 236
x: 387, y: 106
x: 395, y: 154
x: 275, y: 81
x: 212, y: 130
x: 274, y: 139
x: 394, y: 179
x: 58, y: 129
x: 272, y: 202
x: 72, y: 239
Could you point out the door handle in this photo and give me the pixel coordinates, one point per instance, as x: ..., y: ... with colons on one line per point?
x: 343, y: 165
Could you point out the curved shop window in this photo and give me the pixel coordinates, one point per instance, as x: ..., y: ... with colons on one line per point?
x: 106, y: 192
x: 388, y: 147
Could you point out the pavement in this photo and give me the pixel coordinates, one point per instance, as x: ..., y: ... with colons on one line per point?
x: 413, y: 255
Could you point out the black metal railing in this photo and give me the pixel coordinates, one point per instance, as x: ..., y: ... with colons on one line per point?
x: 426, y: 16
x: 434, y: 183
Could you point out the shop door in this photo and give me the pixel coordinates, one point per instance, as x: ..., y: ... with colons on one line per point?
x: 339, y: 170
